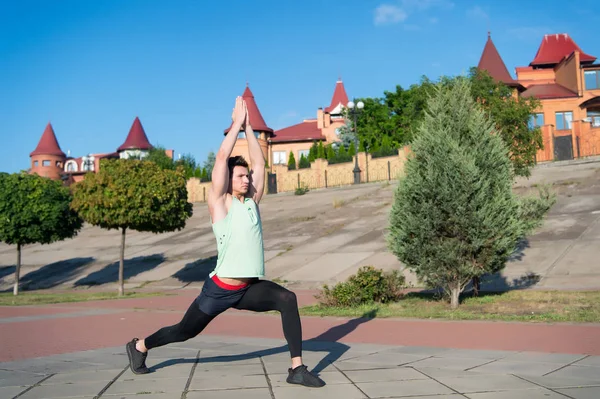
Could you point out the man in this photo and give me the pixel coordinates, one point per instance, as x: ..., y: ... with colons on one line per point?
x: 235, y: 282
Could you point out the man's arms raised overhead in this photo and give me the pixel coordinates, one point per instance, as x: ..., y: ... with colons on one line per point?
x: 220, y: 172
x: 257, y: 159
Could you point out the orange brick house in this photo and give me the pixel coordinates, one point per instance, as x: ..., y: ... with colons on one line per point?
x: 566, y: 80
x: 48, y: 159
x: 298, y: 138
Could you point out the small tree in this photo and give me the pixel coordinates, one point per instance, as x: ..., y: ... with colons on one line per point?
x: 304, y: 162
x: 321, y: 151
x: 331, y: 155
x: 136, y: 195
x: 209, y: 164
x: 291, y: 161
x: 312, y: 154
x: 34, y: 209
x: 455, y: 216
x: 352, y: 150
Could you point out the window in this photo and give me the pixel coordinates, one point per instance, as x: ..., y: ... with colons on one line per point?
x: 242, y: 135
x: 536, y: 120
x: 279, y: 157
x: 71, y: 166
x: 563, y: 120
x: 592, y: 79
x: 36, y: 163
x: 303, y: 152
x: 45, y: 163
x: 595, y: 118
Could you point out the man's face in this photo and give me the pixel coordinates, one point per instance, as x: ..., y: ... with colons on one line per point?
x: 240, y: 180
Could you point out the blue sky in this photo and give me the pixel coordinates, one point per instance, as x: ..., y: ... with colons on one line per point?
x: 91, y: 67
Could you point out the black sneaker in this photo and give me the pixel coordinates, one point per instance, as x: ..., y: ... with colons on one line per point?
x: 300, y: 375
x: 137, y: 359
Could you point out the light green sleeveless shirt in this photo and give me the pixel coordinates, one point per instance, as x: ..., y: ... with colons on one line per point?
x: 240, y: 242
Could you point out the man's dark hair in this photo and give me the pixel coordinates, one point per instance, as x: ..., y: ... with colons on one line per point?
x: 232, y: 162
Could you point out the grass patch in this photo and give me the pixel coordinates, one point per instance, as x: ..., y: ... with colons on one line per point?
x: 338, y: 203
x: 531, y: 306
x: 28, y: 298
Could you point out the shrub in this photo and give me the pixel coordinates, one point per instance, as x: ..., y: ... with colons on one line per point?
x: 368, y: 285
x: 301, y: 190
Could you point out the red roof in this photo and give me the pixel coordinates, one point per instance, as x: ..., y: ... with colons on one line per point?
x: 256, y: 119
x: 48, y: 144
x: 339, y: 96
x: 554, y: 48
x: 550, y: 90
x: 136, y: 139
x: 305, y: 131
x: 492, y: 63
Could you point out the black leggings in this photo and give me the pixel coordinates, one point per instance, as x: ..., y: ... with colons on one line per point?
x: 261, y: 296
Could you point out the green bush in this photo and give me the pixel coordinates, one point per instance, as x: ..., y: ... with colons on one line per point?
x: 301, y: 190
x: 291, y: 162
x: 368, y: 285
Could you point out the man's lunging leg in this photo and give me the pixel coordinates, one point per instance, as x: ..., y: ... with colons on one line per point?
x: 192, y: 324
x: 265, y: 296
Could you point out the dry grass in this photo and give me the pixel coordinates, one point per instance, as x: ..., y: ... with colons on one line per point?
x: 28, y: 298
x: 533, y: 306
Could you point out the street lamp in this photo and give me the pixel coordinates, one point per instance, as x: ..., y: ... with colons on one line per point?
x: 354, y: 111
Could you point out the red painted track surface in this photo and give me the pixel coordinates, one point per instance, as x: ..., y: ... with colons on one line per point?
x: 55, y: 329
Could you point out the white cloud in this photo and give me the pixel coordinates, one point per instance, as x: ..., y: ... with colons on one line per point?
x: 477, y: 13
x: 389, y: 14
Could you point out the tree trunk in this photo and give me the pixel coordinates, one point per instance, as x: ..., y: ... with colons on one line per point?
x: 454, y: 295
x: 476, y: 285
x: 121, y: 260
x: 17, y: 271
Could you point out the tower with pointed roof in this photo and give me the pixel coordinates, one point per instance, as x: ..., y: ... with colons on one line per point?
x: 48, y: 159
x: 339, y: 99
x: 262, y: 131
x: 137, y: 143
x: 492, y: 63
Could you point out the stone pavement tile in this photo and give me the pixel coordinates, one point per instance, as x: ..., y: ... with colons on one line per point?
x: 451, y: 373
x: 82, y: 376
x: 43, y: 366
x: 144, y: 396
x: 521, y: 368
x: 256, y: 393
x: 581, y: 393
x: 559, y: 358
x: 387, y: 359
x: 537, y: 393
x: 330, y: 377
x: 449, y: 363
x: 550, y: 381
x: 396, y: 374
x: 232, y: 381
x: 351, y: 365
x: 156, y: 364
x: 173, y: 371
x: 583, y: 372
x: 83, y: 390
x: 18, y: 379
x: 426, y: 351
x: 9, y: 392
x: 484, y: 383
x: 477, y: 354
x: 144, y: 385
x: 346, y: 391
x: 228, y: 369
x: 588, y: 361
x: 404, y: 388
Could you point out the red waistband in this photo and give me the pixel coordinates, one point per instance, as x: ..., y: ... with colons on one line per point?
x: 226, y: 286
